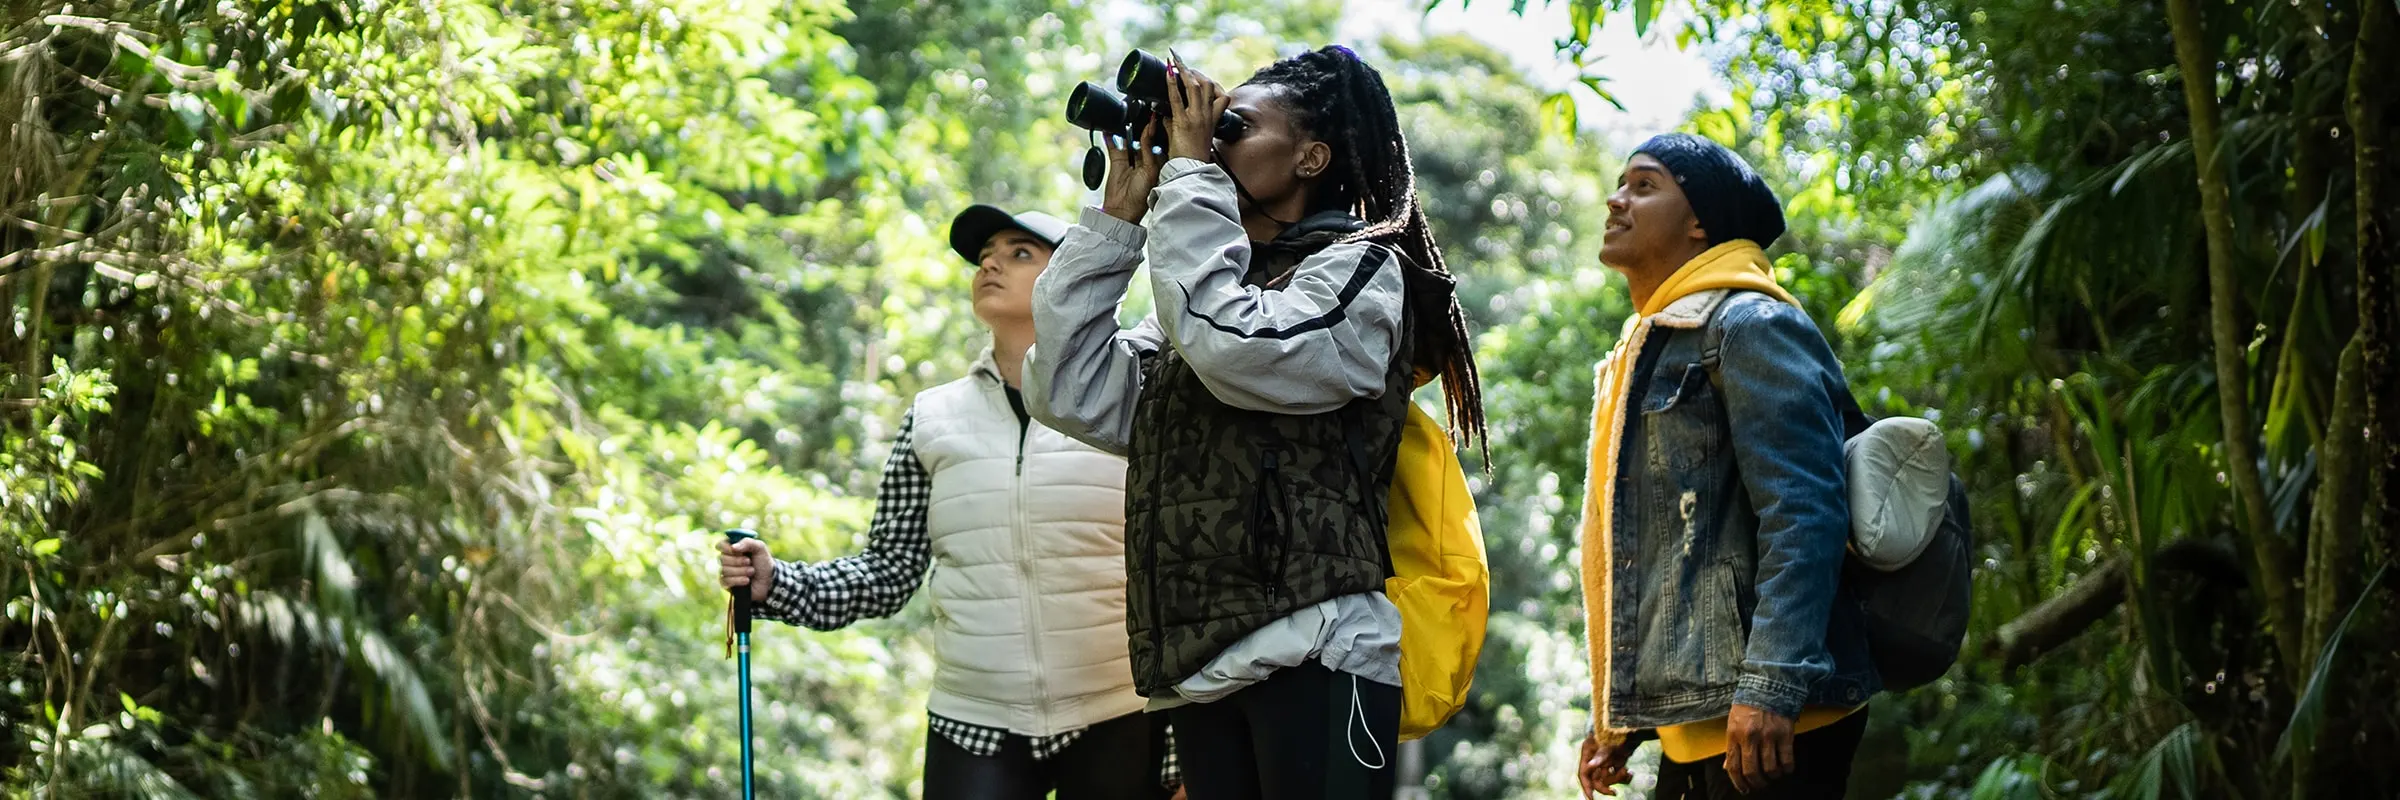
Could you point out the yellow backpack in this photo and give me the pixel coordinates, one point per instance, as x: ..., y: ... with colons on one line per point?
x: 1441, y: 582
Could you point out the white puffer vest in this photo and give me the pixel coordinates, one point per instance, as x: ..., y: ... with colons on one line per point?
x: 1028, y: 584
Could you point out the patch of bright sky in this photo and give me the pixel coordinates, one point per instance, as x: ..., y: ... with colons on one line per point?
x: 1659, y: 83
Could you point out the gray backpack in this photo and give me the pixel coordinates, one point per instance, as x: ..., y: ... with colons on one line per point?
x: 1912, y: 546
x: 1915, y: 596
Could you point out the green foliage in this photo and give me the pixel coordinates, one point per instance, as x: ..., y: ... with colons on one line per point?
x: 373, y: 375
x: 405, y: 357
x: 2172, y: 762
x: 2309, y: 713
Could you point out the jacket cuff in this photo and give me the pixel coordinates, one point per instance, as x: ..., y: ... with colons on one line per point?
x: 1118, y: 232
x: 1634, y: 736
x: 1179, y: 167
x: 783, y: 599
x: 1782, y: 697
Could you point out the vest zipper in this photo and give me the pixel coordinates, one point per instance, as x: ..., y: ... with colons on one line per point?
x: 1283, y: 556
x: 1024, y: 423
x: 1024, y: 434
x: 1266, y: 536
x: 1019, y: 524
x: 1033, y: 606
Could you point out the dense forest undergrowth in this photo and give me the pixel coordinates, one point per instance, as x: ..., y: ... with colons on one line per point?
x: 373, y: 372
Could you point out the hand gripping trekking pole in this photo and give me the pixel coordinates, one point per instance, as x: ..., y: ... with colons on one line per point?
x: 738, y: 630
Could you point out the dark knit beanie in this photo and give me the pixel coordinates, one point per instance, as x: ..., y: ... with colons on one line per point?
x: 1728, y: 197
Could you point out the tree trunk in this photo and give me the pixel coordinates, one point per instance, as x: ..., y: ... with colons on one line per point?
x: 2332, y: 565
x: 2271, y: 552
x: 2333, y: 539
x: 2378, y: 307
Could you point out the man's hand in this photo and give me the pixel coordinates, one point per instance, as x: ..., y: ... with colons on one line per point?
x: 1178, y: 794
x: 1758, y: 747
x: 1132, y: 173
x: 1194, y: 102
x: 1602, y: 767
x: 747, y: 564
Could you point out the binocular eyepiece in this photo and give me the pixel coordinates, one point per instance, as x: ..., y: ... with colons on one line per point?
x: 1140, y: 96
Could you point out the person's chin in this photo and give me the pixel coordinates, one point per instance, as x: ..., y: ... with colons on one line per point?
x: 994, y: 310
x: 1611, y: 256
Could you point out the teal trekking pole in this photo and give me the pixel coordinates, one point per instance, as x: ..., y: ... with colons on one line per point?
x: 741, y: 639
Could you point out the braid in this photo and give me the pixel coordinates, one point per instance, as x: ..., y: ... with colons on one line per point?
x: 1341, y: 101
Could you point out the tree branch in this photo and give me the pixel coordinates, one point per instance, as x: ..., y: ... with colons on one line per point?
x: 2049, y: 626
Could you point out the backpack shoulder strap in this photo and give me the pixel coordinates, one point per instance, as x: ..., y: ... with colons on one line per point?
x: 1712, y: 346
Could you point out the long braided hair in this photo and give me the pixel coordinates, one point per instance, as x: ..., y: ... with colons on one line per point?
x: 1341, y: 101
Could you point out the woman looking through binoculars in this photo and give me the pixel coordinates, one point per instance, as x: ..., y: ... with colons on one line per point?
x: 1300, y: 299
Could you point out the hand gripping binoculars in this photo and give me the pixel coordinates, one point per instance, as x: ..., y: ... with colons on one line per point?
x: 1140, y: 97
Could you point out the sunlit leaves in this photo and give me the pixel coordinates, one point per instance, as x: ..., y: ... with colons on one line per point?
x: 1558, y: 115
x: 465, y: 298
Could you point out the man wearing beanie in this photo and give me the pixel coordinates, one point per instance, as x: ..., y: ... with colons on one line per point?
x: 1715, y: 513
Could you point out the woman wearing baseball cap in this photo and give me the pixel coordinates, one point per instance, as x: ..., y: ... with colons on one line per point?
x: 1032, y: 689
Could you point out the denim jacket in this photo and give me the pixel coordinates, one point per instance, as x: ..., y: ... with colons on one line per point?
x: 1730, y: 532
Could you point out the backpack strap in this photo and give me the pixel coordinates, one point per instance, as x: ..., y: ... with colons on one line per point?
x: 1712, y: 346
x: 1362, y: 472
x: 1354, y: 422
x: 1854, y: 420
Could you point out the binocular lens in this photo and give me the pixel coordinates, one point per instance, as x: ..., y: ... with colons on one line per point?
x: 1230, y: 128
x: 1095, y: 108
x: 1143, y: 76
x: 1143, y: 79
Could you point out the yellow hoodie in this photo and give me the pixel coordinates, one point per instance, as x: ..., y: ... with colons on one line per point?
x: 1738, y: 265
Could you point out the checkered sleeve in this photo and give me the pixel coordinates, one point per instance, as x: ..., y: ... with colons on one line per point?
x: 878, y: 581
x: 978, y: 740
x: 1170, y: 770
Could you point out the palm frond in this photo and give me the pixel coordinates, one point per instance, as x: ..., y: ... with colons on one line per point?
x: 2308, y: 714
x: 300, y: 626
x: 2172, y: 762
x: 1948, y: 252
x: 2019, y: 777
x: 98, y: 764
x: 336, y: 582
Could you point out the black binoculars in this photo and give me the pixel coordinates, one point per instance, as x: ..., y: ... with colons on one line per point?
x: 1140, y: 96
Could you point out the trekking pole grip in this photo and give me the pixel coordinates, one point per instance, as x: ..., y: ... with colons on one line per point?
x: 741, y: 594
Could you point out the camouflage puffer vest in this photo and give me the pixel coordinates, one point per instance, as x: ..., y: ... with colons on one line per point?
x: 1237, y: 518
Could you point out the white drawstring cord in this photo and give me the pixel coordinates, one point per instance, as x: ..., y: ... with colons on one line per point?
x: 1358, y: 711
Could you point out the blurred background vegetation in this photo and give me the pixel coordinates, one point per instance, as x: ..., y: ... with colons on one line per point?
x: 373, y: 372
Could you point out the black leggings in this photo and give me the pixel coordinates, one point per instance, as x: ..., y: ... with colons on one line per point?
x: 1114, y: 759
x: 1822, y: 771
x: 1304, y: 733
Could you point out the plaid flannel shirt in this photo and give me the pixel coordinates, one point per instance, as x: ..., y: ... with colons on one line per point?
x: 877, y: 582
